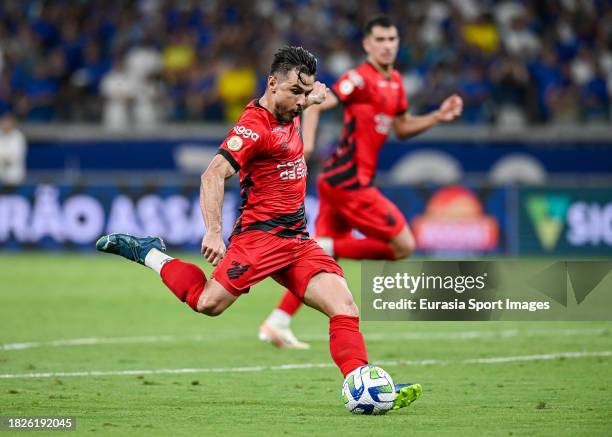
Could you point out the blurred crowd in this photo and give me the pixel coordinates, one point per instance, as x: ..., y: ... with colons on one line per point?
x: 138, y: 63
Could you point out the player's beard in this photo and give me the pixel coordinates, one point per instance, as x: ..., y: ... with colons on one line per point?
x: 286, y: 116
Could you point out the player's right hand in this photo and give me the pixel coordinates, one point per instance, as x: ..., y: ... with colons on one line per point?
x: 451, y: 108
x: 213, y: 248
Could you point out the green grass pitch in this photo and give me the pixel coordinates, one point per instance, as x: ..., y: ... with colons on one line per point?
x: 239, y: 385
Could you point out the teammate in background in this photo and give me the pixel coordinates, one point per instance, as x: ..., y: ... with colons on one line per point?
x: 374, y: 103
x: 269, y: 237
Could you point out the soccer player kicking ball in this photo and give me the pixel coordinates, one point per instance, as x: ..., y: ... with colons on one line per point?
x: 269, y: 237
x: 374, y: 102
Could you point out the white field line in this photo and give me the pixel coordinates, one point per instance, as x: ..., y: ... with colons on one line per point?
x: 448, y: 335
x: 486, y: 360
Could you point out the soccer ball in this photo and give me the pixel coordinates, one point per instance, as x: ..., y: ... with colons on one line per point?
x: 368, y: 390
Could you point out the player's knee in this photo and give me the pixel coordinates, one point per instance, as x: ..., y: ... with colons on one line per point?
x: 210, y: 310
x: 210, y: 307
x: 403, y: 251
x: 404, y: 247
x: 352, y: 310
x: 346, y: 306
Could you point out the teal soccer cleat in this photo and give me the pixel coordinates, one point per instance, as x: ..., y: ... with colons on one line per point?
x: 133, y: 248
x: 406, y: 395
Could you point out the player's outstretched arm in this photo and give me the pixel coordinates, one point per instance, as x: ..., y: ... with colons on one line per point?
x: 406, y: 126
x: 212, y: 185
x: 319, y: 100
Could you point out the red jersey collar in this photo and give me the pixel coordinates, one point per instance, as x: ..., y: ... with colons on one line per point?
x: 270, y: 115
x: 373, y: 67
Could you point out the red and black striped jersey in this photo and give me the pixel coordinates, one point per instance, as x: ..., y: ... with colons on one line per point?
x: 269, y: 156
x: 371, y: 102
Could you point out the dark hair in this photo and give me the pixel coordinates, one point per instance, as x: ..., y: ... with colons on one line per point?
x: 290, y: 57
x: 377, y: 20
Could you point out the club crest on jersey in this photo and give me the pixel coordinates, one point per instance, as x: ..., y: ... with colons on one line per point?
x: 346, y: 87
x: 234, y: 143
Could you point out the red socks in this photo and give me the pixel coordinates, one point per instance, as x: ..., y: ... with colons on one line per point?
x: 185, y: 280
x: 346, y: 343
x: 367, y: 248
x: 289, y: 303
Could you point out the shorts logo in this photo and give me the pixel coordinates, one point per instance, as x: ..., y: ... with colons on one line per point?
x: 234, y: 143
x: 236, y: 271
x: 391, y: 219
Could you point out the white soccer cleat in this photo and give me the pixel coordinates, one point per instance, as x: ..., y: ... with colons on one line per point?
x: 281, y: 337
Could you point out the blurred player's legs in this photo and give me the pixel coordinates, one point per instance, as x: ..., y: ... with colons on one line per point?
x: 275, y: 329
x: 367, y: 210
x: 387, y: 236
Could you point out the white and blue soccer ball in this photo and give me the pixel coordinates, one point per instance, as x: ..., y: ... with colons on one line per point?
x: 368, y: 390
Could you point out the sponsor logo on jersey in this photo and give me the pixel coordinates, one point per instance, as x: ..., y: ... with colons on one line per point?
x: 356, y: 78
x: 383, y: 123
x: 234, y: 143
x: 293, y: 170
x: 246, y: 133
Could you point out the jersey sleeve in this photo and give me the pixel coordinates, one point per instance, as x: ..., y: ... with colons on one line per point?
x: 350, y: 87
x: 244, y: 142
x: 403, y: 100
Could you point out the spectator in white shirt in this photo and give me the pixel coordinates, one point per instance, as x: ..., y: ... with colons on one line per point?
x: 12, y: 151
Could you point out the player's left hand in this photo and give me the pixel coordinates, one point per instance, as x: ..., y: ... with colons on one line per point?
x: 450, y: 109
x: 317, y: 95
x: 213, y: 248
